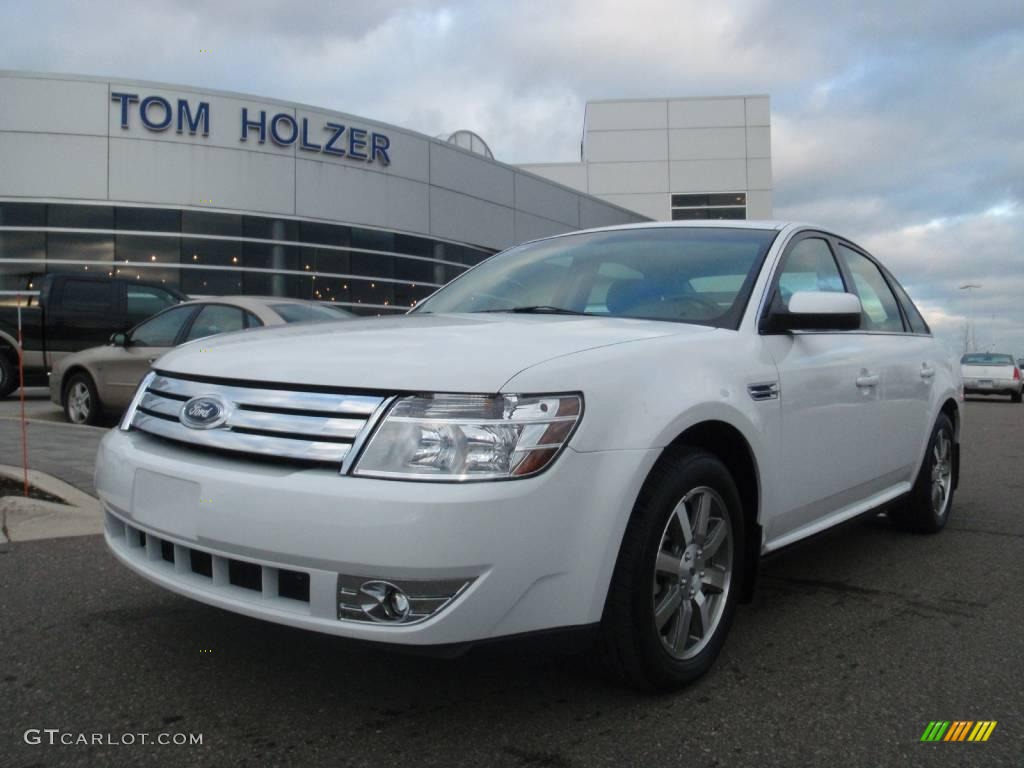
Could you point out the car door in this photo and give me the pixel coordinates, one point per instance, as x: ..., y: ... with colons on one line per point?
x: 830, y: 408
x: 120, y: 373
x: 905, y: 362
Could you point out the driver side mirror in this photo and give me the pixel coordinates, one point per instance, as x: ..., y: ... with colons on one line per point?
x: 813, y: 311
x: 119, y: 339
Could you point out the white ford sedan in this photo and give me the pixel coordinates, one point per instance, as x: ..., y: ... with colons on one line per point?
x: 599, y: 432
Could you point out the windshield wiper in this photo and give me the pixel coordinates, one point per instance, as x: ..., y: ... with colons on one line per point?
x: 538, y: 309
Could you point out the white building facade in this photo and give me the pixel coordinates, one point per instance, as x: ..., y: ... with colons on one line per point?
x: 221, y: 193
x: 686, y: 158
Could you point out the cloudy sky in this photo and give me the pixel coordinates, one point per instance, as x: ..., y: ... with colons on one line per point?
x: 899, y: 122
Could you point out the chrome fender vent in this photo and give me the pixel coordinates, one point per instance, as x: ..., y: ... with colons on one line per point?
x: 768, y: 390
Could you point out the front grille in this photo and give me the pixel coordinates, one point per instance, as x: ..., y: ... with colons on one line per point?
x: 289, y: 424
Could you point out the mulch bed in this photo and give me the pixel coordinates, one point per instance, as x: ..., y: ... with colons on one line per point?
x: 10, y: 487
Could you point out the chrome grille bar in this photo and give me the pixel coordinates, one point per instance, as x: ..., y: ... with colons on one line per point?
x: 284, y: 399
x: 288, y: 424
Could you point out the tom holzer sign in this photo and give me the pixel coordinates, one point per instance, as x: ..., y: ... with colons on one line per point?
x: 157, y: 114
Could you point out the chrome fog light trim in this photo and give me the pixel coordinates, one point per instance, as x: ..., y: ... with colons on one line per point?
x: 395, y: 601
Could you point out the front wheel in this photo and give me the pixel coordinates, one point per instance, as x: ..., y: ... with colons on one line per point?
x: 926, y: 508
x: 81, y: 401
x: 674, y: 588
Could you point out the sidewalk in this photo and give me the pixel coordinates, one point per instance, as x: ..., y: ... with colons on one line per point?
x: 67, y: 452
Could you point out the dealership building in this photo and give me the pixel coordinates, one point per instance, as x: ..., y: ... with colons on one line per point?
x: 222, y: 193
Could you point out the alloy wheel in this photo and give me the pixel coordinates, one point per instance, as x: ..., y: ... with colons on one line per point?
x: 942, y: 472
x: 692, y: 573
x: 79, y: 402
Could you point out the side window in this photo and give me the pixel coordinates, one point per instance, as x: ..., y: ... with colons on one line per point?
x: 809, y: 266
x: 251, y: 321
x: 144, y: 301
x: 162, y: 330
x: 88, y: 295
x: 881, y: 310
x: 215, y: 318
x: 917, y: 323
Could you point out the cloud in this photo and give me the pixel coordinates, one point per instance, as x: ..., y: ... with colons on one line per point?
x: 897, y: 122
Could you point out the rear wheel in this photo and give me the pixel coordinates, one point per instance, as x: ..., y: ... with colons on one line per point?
x: 1016, y: 397
x: 8, y: 371
x: 81, y: 402
x: 673, y: 592
x: 926, y: 509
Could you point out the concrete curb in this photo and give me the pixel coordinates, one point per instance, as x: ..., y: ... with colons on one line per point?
x: 31, y: 519
x: 50, y: 484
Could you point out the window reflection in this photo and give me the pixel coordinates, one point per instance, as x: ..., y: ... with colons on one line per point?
x: 202, y: 267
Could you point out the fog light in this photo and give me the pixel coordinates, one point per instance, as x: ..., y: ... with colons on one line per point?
x: 395, y: 601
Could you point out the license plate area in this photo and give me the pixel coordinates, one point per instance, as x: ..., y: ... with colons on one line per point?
x: 166, y: 503
x: 985, y: 383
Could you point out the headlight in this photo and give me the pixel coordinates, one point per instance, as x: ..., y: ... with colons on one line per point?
x: 470, y: 437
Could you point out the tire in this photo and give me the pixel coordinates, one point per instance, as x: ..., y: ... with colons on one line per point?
x: 640, y: 641
x: 1016, y: 397
x: 81, y: 402
x: 8, y: 372
x: 920, y: 511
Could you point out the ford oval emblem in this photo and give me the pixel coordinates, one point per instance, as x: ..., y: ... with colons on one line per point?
x: 204, y: 412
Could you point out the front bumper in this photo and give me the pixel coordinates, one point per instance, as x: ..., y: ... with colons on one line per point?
x: 535, y: 553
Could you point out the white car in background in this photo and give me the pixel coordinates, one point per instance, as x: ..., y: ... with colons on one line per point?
x: 991, y: 373
x: 599, y: 432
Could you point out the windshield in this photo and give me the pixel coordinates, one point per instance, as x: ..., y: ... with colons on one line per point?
x: 700, y: 275
x: 986, y: 358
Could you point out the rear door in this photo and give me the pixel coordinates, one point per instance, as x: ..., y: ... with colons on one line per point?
x: 905, y: 363
x: 828, y: 383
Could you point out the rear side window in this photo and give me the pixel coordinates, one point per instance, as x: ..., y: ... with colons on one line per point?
x: 881, y: 310
x: 88, y: 294
x: 809, y: 266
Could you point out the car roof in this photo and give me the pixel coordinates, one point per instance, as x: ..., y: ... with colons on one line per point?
x: 249, y: 302
x: 766, y: 224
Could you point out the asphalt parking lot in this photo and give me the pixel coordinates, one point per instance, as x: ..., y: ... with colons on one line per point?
x: 854, y: 642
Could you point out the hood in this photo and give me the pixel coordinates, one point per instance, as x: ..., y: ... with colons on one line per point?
x: 418, y: 352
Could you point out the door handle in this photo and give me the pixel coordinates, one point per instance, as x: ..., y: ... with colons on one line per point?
x: 927, y: 371
x: 869, y: 380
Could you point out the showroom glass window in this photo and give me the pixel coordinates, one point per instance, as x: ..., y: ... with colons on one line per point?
x: 209, y: 253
